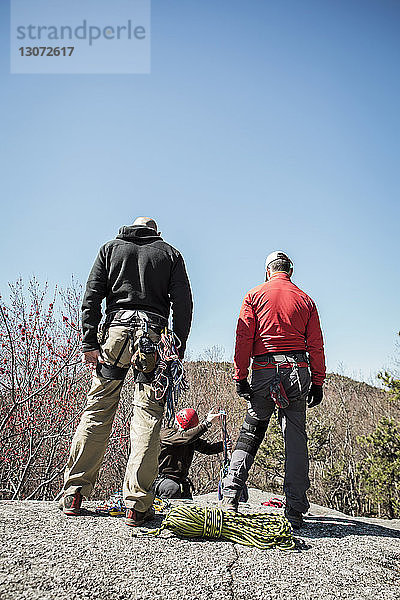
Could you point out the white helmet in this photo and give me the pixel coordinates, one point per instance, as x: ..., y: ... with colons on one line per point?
x: 275, y: 255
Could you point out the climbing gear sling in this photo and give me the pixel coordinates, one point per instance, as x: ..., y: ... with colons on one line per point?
x: 169, y: 380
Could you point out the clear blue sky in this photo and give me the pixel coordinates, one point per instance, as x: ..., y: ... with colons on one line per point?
x: 262, y: 126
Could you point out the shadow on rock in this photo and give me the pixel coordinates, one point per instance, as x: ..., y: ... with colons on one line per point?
x: 337, y: 527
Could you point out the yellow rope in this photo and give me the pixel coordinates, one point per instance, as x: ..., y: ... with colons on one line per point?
x: 262, y: 530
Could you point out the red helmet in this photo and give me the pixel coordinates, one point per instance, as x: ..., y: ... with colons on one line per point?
x: 187, y: 418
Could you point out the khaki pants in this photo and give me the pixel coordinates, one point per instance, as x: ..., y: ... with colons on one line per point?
x: 91, y: 437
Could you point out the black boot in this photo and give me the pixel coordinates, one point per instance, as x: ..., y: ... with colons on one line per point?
x: 294, y: 517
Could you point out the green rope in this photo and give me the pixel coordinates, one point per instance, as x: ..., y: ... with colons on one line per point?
x: 262, y: 530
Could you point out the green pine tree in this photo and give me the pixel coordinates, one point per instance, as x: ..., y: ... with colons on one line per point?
x: 380, y: 471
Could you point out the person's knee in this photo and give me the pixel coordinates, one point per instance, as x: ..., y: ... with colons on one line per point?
x: 168, y: 489
x: 251, y: 435
x: 110, y: 372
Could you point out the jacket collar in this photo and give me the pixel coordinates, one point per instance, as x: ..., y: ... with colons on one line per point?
x: 279, y: 275
x: 139, y: 234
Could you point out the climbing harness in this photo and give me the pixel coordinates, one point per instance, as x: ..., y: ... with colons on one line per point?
x: 169, y: 380
x: 156, y: 364
x: 226, y: 460
x: 276, y: 388
x: 261, y: 530
x: 144, y: 350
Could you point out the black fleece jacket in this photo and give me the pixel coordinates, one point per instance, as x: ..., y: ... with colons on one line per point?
x: 137, y: 270
x: 178, y: 447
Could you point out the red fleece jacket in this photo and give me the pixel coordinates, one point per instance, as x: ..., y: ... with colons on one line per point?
x: 278, y: 317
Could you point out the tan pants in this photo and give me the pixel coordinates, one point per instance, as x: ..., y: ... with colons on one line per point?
x: 91, y: 437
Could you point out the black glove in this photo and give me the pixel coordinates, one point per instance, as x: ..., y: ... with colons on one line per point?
x: 243, y: 389
x: 315, y: 395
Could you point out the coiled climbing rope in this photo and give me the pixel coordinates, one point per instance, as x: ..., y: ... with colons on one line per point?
x: 261, y: 530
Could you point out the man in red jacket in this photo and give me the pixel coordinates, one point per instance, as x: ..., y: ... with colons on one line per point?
x: 279, y: 328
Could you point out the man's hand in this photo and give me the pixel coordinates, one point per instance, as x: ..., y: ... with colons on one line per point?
x: 92, y: 358
x: 243, y: 389
x: 315, y: 395
x: 212, y: 417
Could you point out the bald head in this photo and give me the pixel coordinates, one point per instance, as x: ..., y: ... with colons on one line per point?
x: 146, y: 221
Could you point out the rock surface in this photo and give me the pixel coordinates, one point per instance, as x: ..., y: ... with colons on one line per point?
x: 45, y: 555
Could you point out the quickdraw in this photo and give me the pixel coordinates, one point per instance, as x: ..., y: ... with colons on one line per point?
x: 115, y: 506
x: 170, y: 378
x: 160, y: 505
x: 278, y: 392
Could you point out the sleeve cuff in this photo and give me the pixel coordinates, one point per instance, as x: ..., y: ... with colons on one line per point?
x: 90, y: 348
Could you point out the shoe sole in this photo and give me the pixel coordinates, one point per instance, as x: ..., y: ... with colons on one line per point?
x: 74, y: 512
x: 296, y: 524
x: 132, y: 523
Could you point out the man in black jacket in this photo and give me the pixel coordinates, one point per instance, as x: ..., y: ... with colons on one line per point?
x: 140, y: 276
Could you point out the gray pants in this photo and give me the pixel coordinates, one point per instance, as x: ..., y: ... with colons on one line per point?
x: 164, y: 487
x: 296, y: 383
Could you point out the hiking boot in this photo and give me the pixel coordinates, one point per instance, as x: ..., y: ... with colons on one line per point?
x: 135, y: 518
x: 71, y: 504
x: 294, y: 517
x: 230, y: 504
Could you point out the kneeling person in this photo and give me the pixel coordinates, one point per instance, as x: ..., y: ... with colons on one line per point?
x: 178, y: 445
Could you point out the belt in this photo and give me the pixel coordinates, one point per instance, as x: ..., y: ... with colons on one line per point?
x: 285, y: 360
x: 285, y: 365
x: 136, y: 317
x: 289, y: 356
